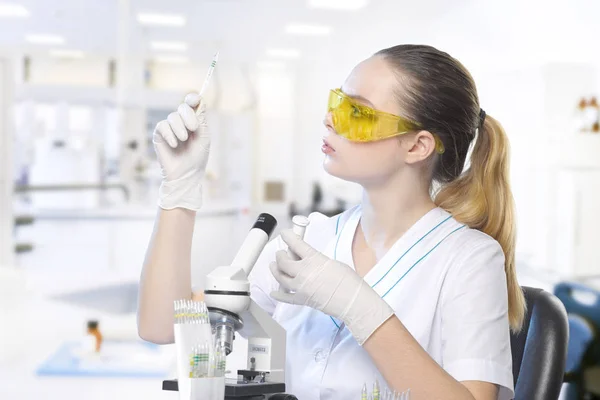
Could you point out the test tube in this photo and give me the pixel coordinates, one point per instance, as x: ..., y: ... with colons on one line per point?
x: 222, y: 364
x: 206, y: 358
x: 194, y: 373
x: 376, y: 390
x: 300, y: 223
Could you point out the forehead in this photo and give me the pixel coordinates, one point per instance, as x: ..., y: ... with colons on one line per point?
x: 374, y: 80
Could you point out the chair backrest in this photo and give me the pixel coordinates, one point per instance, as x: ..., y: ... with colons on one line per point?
x: 539, y: 351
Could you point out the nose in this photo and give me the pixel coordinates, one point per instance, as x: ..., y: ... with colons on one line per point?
x: 328, y: 121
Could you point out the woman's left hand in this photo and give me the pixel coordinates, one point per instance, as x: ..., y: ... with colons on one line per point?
x: 328, y: 285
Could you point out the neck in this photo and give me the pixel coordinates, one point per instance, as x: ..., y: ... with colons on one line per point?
x: 391, y: 208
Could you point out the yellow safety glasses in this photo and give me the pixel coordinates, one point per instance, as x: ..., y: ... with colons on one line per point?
x: 359, y: 123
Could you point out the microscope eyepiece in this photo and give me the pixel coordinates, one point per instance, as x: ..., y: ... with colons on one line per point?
x: 266, y: 223
x: 255, y: 242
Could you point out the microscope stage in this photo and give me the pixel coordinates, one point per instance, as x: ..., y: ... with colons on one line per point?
x: 238, y: 390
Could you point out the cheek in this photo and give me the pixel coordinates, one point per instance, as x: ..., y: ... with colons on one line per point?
x: 356, y: 161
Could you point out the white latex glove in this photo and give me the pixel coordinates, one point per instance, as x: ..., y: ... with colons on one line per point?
x: 182, y: 144
x: 330, y: 286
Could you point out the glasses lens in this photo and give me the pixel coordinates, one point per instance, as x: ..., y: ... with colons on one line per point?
x: 359, y: 123
x: 350, y: 120
x: 334, y: 100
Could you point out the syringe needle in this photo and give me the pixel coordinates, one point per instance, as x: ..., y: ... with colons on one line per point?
x: 209, y: 73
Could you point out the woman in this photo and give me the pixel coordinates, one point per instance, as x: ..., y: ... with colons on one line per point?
x: 412, y: 289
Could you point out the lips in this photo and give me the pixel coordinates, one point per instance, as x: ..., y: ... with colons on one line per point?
x: 326, y: 148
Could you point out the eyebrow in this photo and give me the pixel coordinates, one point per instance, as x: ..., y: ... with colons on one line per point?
x: 358, y: 97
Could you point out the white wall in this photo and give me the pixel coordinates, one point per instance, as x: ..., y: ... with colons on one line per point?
x: 56, y: 71
x: 536, y: 106
x: 314, y: 81
x: 515, y: 99
x: 273, y: 150
x: 311, y: 105
x: 6, y: 181
x: 229, y: 89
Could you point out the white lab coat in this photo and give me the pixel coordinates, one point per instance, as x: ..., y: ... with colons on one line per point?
x: 445, y: 282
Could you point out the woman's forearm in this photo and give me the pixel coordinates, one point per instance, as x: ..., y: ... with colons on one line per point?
x: 406, y: 365
x: 166, y: 274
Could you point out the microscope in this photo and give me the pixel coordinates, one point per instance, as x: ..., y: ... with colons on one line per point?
x: 231, y: 311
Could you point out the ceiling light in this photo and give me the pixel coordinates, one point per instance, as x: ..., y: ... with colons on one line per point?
x: 67, y: 53
x: 45, y: 39
x: 270, y: 64
x: 283, y: 53
x: 161, y: 19
x: 308, y: 30
x: 171, y: 59
x: 338, y: 4
x: 13, y: 10
x: 169, y: 46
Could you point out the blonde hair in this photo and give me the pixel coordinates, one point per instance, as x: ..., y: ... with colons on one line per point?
x: 481, y: 198
x: 437, y: 91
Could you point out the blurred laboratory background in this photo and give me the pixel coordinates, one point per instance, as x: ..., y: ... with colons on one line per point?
x: 83, y: 83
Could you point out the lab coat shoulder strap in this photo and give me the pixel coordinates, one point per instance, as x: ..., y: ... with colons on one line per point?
x: 320, y: 221
x: 322, y: 228
x: 340, y: 219
x: 316, y: 217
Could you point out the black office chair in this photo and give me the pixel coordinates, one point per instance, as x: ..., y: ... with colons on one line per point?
x: 539, y: 351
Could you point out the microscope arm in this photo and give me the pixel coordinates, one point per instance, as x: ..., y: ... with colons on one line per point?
x: 227, y: 296
x: 266, y: 342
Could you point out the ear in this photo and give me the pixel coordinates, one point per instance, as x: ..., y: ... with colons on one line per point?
x: 422, y: 145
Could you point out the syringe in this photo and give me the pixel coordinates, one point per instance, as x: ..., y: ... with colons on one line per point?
x: 209, y: 73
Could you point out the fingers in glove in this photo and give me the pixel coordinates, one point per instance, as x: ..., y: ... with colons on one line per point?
x: 188, y: 117
x: 164, y: 129
x: 296, y: 244
x: 193, y: 100
x: 178, y: 126
x: 284, y: 280
x: 283, y: 297
x: 286, y: 264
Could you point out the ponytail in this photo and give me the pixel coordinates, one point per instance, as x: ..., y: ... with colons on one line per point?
x: 438, y: 92
x: 481, y: 198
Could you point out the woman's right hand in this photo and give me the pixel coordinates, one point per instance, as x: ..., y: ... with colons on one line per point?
x: 182, y: 145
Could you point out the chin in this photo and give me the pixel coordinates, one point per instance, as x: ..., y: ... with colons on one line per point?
x: 359, y: 173
x: 336, y: 169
